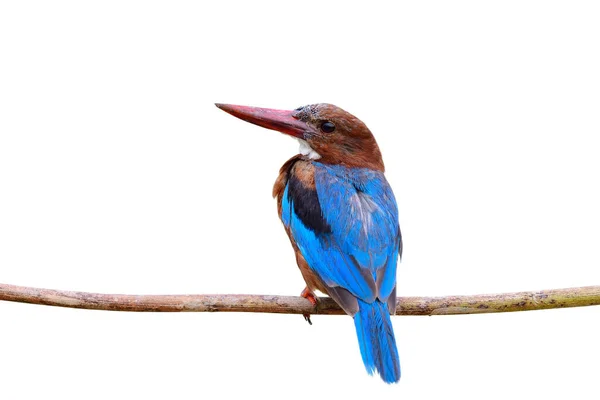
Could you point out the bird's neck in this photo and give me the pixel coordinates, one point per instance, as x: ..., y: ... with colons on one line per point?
x: 366, y: 155
x: 358, y: 154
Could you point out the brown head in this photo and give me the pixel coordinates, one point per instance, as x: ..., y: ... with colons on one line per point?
x: 326, y: 132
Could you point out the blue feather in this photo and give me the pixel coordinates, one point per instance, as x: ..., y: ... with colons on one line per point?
x: 358, y: 252
x: 376, y: 340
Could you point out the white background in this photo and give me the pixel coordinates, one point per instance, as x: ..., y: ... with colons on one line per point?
x: 118, y: 175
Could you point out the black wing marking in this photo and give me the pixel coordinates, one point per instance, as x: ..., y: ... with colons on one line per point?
x: 306, y: 206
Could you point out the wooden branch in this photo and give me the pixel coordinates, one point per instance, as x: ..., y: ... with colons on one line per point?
x: 450, y: 305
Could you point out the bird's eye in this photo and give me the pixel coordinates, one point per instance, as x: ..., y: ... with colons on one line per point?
x: 327, y: 127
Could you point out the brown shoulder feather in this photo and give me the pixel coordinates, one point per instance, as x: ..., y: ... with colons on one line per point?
x: 282, y: 178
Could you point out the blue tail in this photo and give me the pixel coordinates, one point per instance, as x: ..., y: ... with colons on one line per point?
x: 376, y: 339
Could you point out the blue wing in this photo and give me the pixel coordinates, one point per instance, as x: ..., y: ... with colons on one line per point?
x: 358, y: 241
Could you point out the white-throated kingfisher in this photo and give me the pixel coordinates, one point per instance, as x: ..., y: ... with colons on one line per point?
x: 342, y: 219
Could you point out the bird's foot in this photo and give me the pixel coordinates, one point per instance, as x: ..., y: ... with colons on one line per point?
x: 310, y: 296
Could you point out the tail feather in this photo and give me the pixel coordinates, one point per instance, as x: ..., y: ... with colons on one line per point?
x: 376, y: 339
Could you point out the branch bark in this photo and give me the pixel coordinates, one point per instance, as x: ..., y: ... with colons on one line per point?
x: 449, y: 305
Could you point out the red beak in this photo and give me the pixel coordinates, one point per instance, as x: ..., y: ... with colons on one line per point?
x: 278, y: 120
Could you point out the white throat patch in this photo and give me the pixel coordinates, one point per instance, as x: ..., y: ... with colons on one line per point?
x: 306, y: 150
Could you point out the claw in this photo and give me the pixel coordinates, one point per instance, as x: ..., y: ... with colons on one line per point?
x: 307, y: 318
x: 310, y: 296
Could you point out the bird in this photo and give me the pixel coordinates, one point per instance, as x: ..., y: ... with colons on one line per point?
x: 341, y: 217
